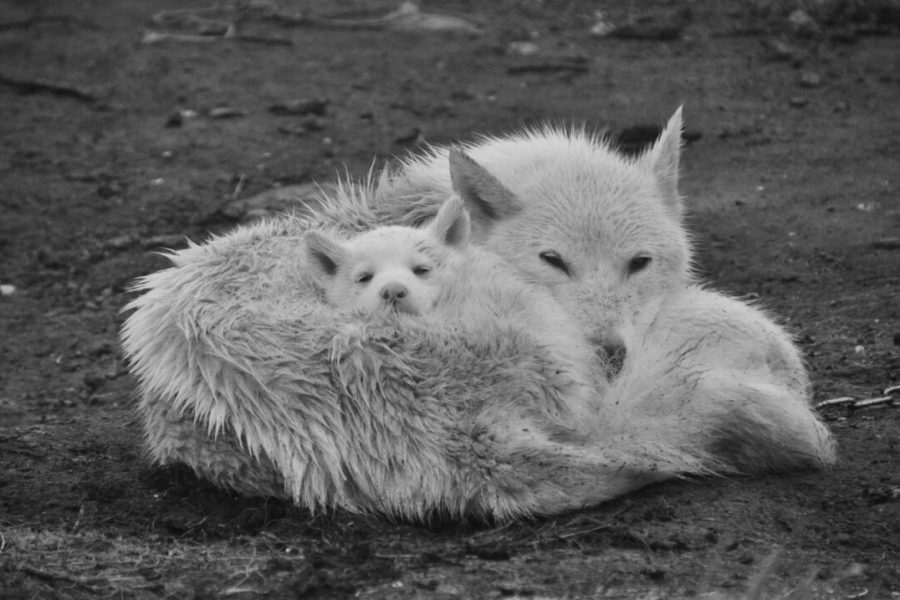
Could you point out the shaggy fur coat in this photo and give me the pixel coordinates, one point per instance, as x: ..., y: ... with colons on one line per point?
x: 250, y: 378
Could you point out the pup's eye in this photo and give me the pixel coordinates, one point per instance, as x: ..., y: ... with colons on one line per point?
x: 421, y: 270
x: 556, y: 261
x: 638, y: 263
x: 364, y: 278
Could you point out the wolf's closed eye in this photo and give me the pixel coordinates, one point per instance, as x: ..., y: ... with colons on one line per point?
x: 638, y: 263
x: 552, y: 258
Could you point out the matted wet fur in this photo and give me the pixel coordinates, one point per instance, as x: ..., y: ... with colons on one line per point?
x: 250, y: 378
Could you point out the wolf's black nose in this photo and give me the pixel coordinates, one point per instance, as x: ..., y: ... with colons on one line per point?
x: 611, y: 350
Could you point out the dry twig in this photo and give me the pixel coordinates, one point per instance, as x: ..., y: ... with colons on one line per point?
x: 35, y: 85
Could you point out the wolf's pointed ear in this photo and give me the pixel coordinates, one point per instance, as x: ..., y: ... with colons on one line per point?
x: 451, y: 225
x: 662, y: 160
x: 487, y: 199
x: 324, y: 256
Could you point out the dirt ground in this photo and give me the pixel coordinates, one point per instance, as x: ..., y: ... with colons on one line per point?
x: 113, y: 146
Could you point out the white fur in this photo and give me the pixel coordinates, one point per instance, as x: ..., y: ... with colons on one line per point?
x: 465, y: 286
x: 478, y: 407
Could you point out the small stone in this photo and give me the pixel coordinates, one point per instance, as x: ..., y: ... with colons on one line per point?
x: 781, y: 50
x: 177, y: 117
x: 411, y: 135
x: 802, y: 23
x: 523, y: 48
x: 810, y: 80
x: 7, y: 290
x: 120, y: 242
x: 94, y: 380
x: 601, y: 27
x: 225, y: 112
x: 867, y: 206
x: 891, y: 243
x: 798, y: 101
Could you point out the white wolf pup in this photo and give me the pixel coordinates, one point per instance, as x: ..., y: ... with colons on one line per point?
x: 393, y: 267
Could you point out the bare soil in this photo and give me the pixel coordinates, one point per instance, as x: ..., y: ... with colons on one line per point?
x: 792, y: 177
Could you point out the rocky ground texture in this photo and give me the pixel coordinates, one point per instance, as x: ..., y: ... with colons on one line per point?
x: 128, y: 127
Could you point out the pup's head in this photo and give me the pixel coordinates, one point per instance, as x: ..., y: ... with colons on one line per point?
x: 396, y: 268
x: 603, y: 232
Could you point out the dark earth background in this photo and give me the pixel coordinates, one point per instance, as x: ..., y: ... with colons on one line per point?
x: 113, y: 146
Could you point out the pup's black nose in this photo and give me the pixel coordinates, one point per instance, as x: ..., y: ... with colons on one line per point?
x: 393, y: 292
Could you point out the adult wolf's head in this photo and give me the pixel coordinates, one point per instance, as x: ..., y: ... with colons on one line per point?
x: 602, y: 231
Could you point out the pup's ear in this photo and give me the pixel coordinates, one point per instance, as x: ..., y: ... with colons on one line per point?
x: 324, y: 255
x: 451, y: 225
x: 662, y: 160
x: 487, y: 199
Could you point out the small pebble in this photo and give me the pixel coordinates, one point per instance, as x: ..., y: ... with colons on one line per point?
x: 523, y: 48
x: 601, y: 27
x: 891, y: 243
x: 120, y: 242
x: 867, y: 206
x: 782, y: 51
x: 798, y: 101
x: 225, y: 112
x: 177, y: 117
x: 802, y: 23
x: 411, y: 135
x: 7, y: 290
x: 810, y: 80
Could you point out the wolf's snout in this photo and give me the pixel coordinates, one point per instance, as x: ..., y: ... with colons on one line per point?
x: 612, y: 351
x: 393, y: 292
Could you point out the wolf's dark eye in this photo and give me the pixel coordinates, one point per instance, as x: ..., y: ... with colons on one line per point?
x: 364, y: 278
x: 638, y: 263
x: 421, y: 270
x: 556, y: 261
